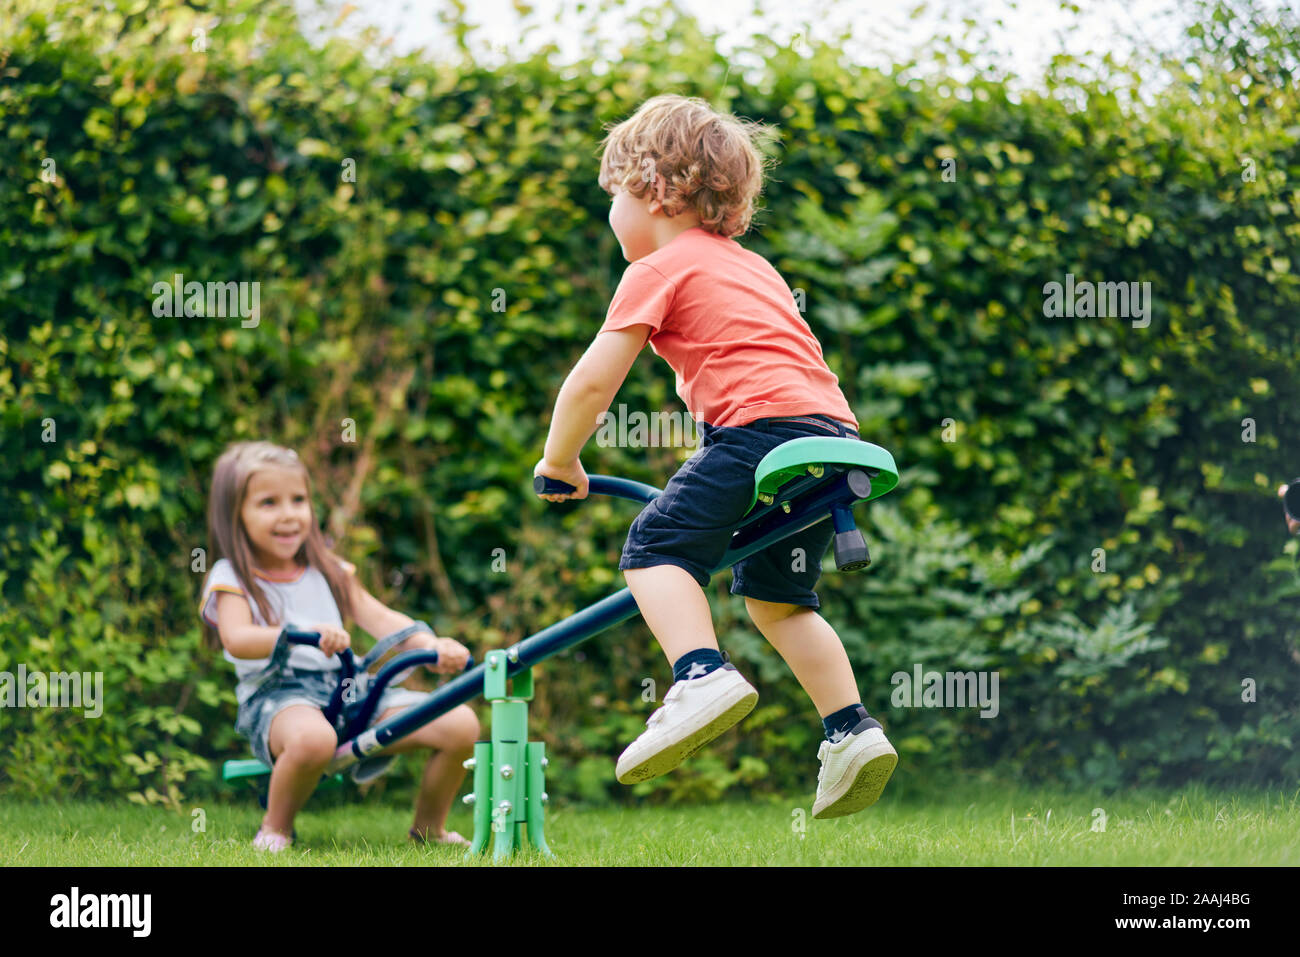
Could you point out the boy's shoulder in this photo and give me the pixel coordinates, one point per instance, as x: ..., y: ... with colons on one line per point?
x: 698, y: 256
x: 689, y: 248
x: 696, y: 252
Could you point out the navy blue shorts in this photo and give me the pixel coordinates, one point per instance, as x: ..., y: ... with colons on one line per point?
x: 690, y: 524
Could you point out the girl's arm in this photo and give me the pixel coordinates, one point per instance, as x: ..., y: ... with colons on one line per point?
x: 239, y: 635
x: 379, y: 620
x: 243, y: 639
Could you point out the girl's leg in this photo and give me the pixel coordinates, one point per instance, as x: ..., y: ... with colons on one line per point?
x: 675, y: 607
x: 811, y: 648
x: 451, y: 737
x: 301, y: 743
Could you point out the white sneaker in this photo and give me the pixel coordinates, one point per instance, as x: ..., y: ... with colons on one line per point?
x: 694, y: 712
x: 853, y: 773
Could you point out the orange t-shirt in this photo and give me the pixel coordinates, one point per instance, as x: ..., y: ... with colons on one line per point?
x: 726, y: 322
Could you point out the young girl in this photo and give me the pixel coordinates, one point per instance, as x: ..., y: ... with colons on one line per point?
x: 276, y: 570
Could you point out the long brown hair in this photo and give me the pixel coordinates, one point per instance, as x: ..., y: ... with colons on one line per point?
x: 226, y: 530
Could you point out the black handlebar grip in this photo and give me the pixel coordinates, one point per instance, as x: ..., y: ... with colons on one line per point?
x: 542, y: 485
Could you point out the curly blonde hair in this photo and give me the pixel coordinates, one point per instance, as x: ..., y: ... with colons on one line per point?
x: 709, y: 161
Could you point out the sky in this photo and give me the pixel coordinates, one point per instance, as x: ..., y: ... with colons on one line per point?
x: 1023, y: 34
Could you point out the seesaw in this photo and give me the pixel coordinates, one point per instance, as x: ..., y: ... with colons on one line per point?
x: 796, y: 485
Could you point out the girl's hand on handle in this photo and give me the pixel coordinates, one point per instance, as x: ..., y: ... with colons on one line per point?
x: 333, y: 639
x: 452, y: 656
x: 571, y: 472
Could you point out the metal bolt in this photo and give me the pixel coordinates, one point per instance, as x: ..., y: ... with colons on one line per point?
x: 545, y: 761
x: 816, y: 471
x: 785, y: 507
x: 469, y: 764
x: 493, y: 661
x: 467, y: 799
x: 765, y: 499
x: 505, y: 807
x: 513, y: 654
x: 507, y: 771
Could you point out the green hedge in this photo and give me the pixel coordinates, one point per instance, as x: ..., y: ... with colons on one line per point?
x: 1026, y: 442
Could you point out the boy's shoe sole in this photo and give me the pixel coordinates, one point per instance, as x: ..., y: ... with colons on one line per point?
x: 862, y: 782
x: 726, y: 712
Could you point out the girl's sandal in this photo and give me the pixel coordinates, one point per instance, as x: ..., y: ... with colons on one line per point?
x: 273, y: 841
x: 450, y: 837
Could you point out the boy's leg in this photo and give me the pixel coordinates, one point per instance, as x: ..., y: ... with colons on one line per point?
x: 707, y: 696
x: 778, y: 587
x: 812, y: 649
x: 671, y: 549
x: 856, y: 758
x: 675, y: 608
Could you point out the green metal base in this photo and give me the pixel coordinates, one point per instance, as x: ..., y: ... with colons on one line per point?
x: 509, y: 771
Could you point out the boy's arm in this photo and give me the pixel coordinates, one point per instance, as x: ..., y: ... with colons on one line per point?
x: 588, y: 391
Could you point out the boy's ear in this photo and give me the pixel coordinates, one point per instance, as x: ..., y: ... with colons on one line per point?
x: 660, y: 185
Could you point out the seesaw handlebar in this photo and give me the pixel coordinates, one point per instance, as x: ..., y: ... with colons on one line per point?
x: 348, y: 670
x: 598, y: 485
x: 313, y: 638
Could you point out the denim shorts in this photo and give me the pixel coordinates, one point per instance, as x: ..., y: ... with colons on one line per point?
x: 298, y: 686
x: 690, y: 524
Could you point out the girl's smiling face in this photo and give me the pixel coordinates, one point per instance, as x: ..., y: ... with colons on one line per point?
x: 276, y: 516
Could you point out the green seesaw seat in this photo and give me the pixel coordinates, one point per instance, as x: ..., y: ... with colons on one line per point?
x: 794, y: 467
x: 250, y: 768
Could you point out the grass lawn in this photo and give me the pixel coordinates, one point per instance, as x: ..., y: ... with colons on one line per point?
x: 964, y: 824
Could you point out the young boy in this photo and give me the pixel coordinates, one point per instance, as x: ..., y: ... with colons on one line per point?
x: 683, y: 180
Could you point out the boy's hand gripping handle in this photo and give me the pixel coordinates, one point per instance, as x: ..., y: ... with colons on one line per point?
x: 543, y: 485
x: 598, y: 485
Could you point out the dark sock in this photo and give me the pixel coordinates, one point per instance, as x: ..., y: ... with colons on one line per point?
x: 697, y: 664
x: 851, y: 720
